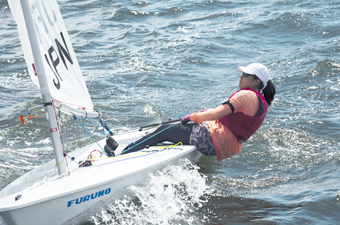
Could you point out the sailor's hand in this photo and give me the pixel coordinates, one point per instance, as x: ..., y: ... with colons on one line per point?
x: 185, y: 119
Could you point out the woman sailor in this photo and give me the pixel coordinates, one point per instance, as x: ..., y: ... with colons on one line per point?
x: 221, y: 131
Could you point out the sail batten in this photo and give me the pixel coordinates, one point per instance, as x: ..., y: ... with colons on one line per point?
x: 64, y: 80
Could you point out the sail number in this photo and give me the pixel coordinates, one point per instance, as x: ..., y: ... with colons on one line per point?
x: 54, y: 58
x: 45, y: 18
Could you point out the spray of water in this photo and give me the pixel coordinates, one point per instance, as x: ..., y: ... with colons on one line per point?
x: 169, y: 196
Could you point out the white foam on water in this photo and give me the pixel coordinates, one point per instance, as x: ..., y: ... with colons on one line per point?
x: 169, y: 196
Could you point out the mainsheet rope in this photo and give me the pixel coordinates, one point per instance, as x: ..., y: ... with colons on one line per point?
x: 76, y: 118
x: 72, y: 158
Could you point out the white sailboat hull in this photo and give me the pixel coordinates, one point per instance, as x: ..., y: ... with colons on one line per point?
x: 58, y: 201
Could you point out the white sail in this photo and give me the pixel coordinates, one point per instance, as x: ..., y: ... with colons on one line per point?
x: 65, y: 81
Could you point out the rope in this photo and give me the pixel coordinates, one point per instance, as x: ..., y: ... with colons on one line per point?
x: 75, y: 117
x: 91, y: 157
x: 181, y: 116
x: 61, y: 138
x: 66, y: 103
x: 100, y: 120
x: 170, y: 146
x: 56, y: 165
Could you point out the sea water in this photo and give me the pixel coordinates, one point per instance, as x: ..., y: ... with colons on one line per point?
x: 148, y: 61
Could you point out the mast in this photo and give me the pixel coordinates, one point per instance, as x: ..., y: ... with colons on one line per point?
x: 46, y: 96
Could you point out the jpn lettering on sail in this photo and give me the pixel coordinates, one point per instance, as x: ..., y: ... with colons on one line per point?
x: 64, y: 78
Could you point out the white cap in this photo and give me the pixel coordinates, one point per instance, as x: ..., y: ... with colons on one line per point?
x: 257, y: 69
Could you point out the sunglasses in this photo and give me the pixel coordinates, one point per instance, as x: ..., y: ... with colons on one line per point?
x: 247, y: 74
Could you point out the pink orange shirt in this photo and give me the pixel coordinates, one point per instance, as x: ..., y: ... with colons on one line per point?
x: 225, y: 142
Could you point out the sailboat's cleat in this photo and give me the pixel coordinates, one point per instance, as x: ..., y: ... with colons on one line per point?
x: 111, y: 146
x: 112, y: 143
x: 85, y: 163
x: 110, y: 152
